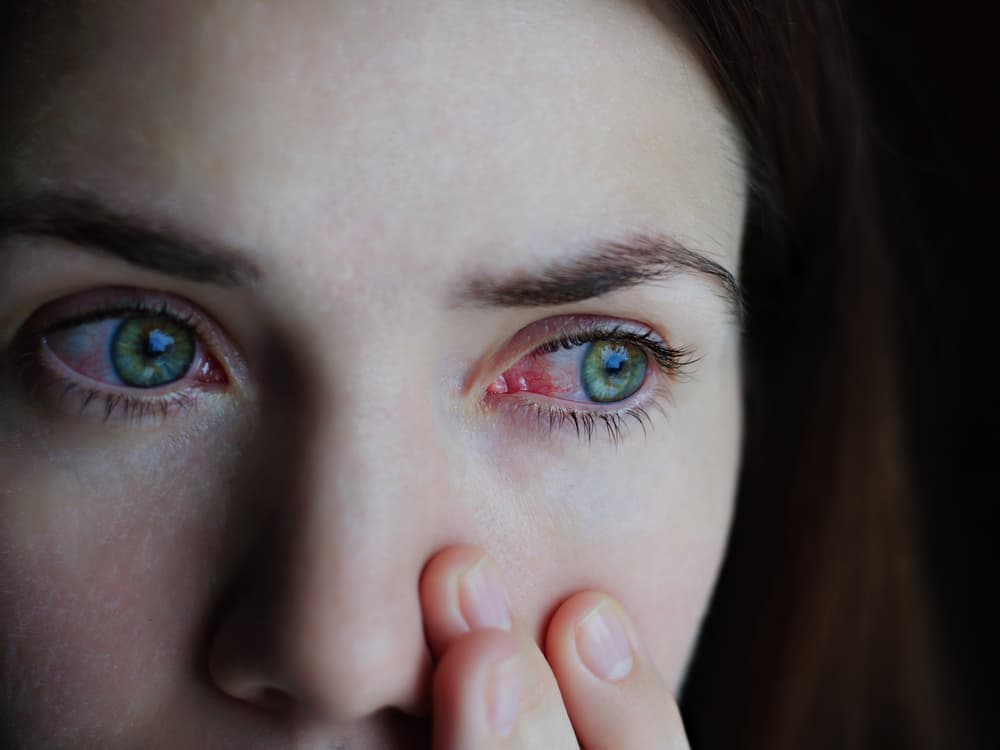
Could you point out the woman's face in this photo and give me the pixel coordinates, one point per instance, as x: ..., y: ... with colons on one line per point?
x: 276, y: 285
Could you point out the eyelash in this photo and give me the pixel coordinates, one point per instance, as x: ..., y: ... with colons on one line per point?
x: 130, y: 408
x: 673, y: 362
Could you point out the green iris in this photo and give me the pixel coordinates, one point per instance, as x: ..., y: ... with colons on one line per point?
x: 612, y: 370
x: 147, y: 352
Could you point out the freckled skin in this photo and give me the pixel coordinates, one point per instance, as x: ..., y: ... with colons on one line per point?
x: 361, y: 155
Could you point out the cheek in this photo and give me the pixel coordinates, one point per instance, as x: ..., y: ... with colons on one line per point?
x: 107, y: 560
x: 647, y: 523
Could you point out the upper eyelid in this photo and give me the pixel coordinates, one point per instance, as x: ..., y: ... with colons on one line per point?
x: 670, y: 358
x: 54, y: 315
x: 551, y: 413
x: 616, y: 331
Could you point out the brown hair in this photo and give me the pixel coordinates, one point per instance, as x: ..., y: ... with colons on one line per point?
x: 820, y: 633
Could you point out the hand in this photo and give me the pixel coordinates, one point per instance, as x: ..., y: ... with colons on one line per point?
x: 494, y: 688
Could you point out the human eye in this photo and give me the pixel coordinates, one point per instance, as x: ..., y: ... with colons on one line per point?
x: 125, y: 355
x: 590, y: 373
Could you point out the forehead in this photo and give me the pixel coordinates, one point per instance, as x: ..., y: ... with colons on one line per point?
x: 509, y: 126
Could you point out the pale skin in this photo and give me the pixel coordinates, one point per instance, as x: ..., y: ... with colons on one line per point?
x: 351, y: 541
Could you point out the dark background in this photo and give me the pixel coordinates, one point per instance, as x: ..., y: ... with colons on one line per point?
x: 926, y: 68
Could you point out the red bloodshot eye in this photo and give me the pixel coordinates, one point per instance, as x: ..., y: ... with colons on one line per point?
x: 210, y: 372
x: 531, y: 376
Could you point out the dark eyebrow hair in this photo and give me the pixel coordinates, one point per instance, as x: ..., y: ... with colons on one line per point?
x: 85, y: 221
x: 609, y: 266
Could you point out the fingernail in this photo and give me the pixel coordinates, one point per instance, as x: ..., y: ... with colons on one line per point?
x: 602, y: 643
x: 481, y: 597
x: 503, y: 695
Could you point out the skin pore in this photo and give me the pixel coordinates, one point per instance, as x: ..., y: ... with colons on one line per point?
x: 242, y: 570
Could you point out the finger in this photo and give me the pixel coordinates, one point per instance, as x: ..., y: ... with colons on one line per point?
x: 461, y: 589
x: 464, y: 601
x: 613, y: 693
x: 477, y: 691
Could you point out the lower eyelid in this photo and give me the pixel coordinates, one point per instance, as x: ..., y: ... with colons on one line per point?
x: 545, y: 422
x: 543, y: 415
x: 54, y: 386
x: 68, y: 397
x: 109, y: 406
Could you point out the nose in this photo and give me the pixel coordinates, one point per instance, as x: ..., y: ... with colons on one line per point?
x: 323, y: 617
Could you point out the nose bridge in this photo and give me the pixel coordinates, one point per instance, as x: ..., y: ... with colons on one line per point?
x: 344, y: 631
x: 374, y: 469
x: 375, y: 477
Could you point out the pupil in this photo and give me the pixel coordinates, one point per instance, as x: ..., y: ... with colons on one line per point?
x: 158, y: 343
x: 614, y: 363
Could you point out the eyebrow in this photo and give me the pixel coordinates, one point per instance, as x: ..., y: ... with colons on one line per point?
x: 90, y: 224
x: 609, y: 266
